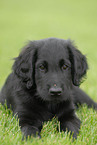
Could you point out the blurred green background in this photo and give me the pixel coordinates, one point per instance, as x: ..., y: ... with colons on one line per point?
x: 23, y: 20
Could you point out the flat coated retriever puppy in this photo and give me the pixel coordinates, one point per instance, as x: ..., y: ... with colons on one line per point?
x: 45, y: 83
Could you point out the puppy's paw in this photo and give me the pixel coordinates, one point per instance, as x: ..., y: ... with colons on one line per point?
x: 30, y: 131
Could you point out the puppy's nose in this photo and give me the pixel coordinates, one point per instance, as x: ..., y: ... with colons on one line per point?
x: 55, y: 91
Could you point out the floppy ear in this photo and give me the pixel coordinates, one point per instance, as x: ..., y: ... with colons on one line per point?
x: 79, y: 64
x: 25, y: 63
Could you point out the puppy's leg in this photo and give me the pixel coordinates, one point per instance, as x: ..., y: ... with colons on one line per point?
x: 72, y: 125
x: 80, y: 97
x: 30, y: 127
x: 31, y: 120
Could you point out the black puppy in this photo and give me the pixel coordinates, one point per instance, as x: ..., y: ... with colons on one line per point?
x: 44, y: 83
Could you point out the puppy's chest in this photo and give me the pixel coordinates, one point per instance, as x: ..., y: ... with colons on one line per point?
x: 55, y: 109
x: 60, y: 110
x: 52, y: 108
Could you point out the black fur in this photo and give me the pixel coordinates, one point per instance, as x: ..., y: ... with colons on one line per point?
x: 45, y: 82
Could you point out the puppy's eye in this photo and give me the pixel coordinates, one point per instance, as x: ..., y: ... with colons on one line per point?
x: 64, y: 67
x: 42, y: 67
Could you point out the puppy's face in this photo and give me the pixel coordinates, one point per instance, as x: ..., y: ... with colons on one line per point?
x: 51, y: 65
x: 53, y: 72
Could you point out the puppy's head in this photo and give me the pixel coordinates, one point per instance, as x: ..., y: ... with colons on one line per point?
x: 52, y: 66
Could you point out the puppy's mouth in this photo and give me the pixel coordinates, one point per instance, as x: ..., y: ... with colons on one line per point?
x: 55, y: 95
x: 56, y: 98
x: 55, y: 92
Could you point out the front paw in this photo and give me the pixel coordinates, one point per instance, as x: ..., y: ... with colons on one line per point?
x: 30, y: 131
x: 73, y: 126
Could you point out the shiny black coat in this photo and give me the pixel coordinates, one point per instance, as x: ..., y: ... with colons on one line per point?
x: 45, y: 82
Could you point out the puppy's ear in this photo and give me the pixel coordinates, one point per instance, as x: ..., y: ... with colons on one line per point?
x: 25, y: 63
x: 79, y: 64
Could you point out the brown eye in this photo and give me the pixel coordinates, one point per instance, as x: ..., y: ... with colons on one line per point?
x: 41, y: 67
x: 64, y: 67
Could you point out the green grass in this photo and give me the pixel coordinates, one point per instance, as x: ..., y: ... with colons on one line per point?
x: 10, y: 133
x: 25, y: 20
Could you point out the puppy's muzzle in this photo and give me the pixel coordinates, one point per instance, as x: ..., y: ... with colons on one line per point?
x: 54, y: 91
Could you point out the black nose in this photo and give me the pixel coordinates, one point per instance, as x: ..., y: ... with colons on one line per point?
x: 55, y: 91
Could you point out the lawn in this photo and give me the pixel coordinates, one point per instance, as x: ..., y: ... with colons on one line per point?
x: 25, y: 20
